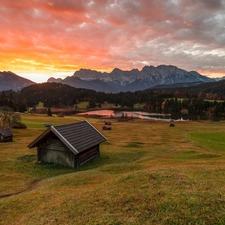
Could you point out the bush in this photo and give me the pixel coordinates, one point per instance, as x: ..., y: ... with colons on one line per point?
x: 61, y: 115
x: 19, y: 125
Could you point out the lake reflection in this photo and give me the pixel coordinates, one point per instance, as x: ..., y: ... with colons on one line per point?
x: 128, y: 114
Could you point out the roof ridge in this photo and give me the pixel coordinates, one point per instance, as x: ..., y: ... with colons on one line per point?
x: 62, y: 125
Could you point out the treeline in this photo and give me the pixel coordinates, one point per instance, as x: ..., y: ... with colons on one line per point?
x: 195, y: 106
x: 209, y: 91
x: 11, y: 99
x: 191, y: 101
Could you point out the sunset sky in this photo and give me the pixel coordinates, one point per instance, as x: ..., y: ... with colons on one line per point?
x: 44, y: 38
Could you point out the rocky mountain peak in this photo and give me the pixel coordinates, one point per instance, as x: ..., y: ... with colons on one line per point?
x: 133, y: 80
x: 11, y: 81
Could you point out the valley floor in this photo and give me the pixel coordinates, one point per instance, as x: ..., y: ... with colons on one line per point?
x: 148, y: 173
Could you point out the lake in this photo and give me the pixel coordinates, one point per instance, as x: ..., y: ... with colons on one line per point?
x: 147, y: 115
x: 129, y: 114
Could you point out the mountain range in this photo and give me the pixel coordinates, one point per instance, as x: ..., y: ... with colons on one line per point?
x: 115, y: 81
x: 133, y: 80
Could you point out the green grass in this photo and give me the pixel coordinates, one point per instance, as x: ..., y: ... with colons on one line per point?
x: 148, y: 173
x: 82, y: 105
x: 210, y: 140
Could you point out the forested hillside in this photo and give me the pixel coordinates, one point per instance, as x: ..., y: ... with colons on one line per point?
x: 210, y: 90
x: 54, y: 95
x: 207, y: 98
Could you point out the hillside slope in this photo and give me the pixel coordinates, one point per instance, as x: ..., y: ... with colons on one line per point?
x: 11, y: 81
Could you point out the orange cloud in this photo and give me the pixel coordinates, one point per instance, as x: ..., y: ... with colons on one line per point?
x: 51, y: 36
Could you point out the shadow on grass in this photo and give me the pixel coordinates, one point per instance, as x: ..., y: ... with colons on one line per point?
x: 117, y: 162
x: 34, y: 172
x: 27, y: 158
x: 108, y: 162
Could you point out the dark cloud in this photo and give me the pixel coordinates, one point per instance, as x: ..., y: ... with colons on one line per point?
x: 211, y: 4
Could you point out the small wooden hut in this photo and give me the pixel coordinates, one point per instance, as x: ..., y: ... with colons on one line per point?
x: 69, y: 144
x: 108, y: 123
x: 106, y: 127
x: 48, y: 124
x: 6, y: 135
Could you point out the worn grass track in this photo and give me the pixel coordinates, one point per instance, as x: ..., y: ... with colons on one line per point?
x: 148, y: 173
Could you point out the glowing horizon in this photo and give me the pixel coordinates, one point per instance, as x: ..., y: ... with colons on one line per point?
x: 52, y: 38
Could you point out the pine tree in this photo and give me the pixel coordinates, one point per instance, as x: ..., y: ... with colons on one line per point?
x: 49, y: 112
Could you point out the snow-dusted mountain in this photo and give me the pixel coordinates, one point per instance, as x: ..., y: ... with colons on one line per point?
x: 133, y: 80
x: 219, y: 78
x: 11, y: 81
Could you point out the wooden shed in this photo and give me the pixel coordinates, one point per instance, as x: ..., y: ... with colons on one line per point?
x: 69, y: 144
x: 6, y: 134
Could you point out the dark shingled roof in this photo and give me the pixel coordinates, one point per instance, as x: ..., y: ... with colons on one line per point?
x: 6, y: 132
x: 78, y: 137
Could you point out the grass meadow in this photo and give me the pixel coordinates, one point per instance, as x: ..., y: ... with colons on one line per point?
x: 148, y: 173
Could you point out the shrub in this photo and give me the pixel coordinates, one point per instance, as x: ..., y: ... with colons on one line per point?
x: 19, y: 125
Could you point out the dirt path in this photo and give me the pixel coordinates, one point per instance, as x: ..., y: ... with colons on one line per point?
x: 31, y: 186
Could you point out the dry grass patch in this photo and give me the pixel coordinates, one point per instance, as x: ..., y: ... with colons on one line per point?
x: 148, y: 173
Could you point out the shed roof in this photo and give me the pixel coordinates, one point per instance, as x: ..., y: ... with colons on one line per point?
x: 6, y: 132
x: 78, y: 137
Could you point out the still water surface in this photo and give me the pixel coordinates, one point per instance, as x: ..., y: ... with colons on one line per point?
x: 149, y: 116
x: 129, y: 114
